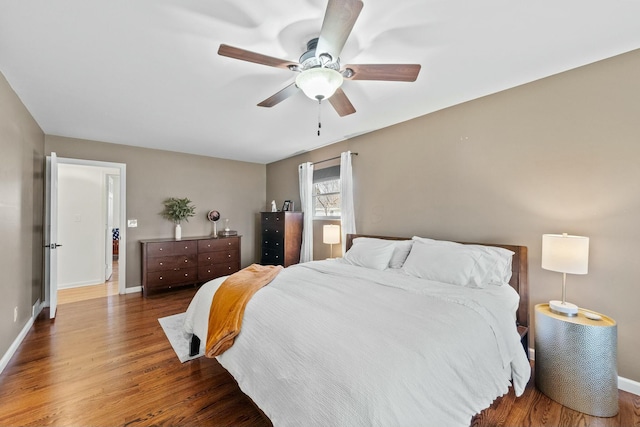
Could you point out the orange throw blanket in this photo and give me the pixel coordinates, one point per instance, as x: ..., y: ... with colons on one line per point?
x: 229, y: 303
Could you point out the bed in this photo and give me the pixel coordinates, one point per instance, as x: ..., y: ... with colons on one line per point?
x: 398, y: 332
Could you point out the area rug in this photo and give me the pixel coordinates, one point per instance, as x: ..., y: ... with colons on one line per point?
x: 180, y: 340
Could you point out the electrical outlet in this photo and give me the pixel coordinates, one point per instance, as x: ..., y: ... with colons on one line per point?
x: 15, y: 314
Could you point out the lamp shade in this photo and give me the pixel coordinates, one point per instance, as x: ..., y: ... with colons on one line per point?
x: 565, y: 253
x: 331, y: 234
x: 319, y: 83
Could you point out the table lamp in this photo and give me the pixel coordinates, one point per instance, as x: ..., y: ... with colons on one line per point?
x: 331, y: 235
x: 565, y: 254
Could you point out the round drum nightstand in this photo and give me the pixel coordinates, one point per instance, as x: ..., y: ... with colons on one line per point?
x: 576, y: 360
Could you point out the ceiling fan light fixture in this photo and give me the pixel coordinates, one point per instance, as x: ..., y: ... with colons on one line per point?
x: 319, y: 83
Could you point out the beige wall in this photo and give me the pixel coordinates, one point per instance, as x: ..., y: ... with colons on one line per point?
x: 21, y: 203
x: 558, y: 155
x: 235, y: 189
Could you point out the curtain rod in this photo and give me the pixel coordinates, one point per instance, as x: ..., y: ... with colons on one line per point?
x: 333, y: 158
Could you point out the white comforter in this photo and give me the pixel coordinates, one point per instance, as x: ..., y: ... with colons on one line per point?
x: 331, y: 344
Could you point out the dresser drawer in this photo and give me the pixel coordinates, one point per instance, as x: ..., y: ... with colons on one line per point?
x: 272, y: 224
x: 171, y: 262
x: 210, y: 258
x: 214, y: 245
x: 270, y: 240
x: 272, y: 256
x: 158, y: 249
x: 165, y: 279
x: 168, y: 263
x: 212, y: 271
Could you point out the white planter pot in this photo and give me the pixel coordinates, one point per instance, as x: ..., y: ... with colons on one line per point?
x: 178, y: 232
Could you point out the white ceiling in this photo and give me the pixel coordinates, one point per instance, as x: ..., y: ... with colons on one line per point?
x: 146, y: 72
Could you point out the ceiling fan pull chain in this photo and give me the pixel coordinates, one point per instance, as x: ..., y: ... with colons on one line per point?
x: 319, y: 121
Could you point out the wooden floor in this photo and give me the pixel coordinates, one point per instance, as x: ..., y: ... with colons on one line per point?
x: 100, y: 290
x: 106, y: 362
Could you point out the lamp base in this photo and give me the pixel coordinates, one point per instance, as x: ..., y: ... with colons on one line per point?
x: 563, y: 308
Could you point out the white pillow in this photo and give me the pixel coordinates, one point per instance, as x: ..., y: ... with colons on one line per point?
x: 370, y: 253
x: 492, y: 264
x: 443, y: 263
x: 400, y: 252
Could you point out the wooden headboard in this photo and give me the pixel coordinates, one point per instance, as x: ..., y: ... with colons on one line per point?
x: 519, y: 277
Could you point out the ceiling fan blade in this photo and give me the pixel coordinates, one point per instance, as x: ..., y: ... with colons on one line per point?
x: 257, y: 58
x: 341, y: 103
x: 386, y: 72
x: 280, y: 96
x: 339, y: 19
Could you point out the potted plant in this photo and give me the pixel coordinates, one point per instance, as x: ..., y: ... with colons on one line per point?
x: 177, y: 210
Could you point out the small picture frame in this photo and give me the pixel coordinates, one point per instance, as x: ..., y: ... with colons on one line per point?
x: 287, y: 206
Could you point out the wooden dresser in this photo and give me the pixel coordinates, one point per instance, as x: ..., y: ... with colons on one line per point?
x: 281, y: 237
x: 168, y: 263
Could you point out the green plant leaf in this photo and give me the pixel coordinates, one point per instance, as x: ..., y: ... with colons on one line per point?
x: 178, y: 210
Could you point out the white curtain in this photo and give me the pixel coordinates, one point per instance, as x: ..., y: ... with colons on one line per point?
x: 348, y: 215
x: 305, y: 175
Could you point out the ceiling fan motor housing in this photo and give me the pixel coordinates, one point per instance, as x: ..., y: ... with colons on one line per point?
x: 309, y: 59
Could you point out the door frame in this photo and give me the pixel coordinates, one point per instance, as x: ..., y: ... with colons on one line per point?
x: 122, y: 167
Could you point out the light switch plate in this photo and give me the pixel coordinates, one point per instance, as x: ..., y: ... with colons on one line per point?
x: 132, y: 223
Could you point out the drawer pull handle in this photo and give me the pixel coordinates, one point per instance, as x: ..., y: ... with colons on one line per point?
x: 186, y: 247
x: 208, y: 258
x: 186, y: 260
x: 160, y: 277
x: 160, y: 248
x: 161, y: 263
x: 208, y: 271
x: 186, y: 274
x: 229, y: 255
x: 229, y: 268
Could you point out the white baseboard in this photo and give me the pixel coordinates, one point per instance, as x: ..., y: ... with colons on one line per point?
x: 624, y: 384
x: 629, y: 386
x: 133, y: 290
x: 79, y: 284
x: 35, y: 310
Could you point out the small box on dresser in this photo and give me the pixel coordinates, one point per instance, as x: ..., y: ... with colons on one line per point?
x: 281, y: 237
x: 169, y: 263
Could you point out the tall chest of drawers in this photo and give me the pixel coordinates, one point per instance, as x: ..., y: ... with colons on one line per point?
x: 281, y: 234
x: 168, y: 263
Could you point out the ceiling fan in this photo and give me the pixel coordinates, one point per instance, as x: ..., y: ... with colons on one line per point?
x: 320, y: 73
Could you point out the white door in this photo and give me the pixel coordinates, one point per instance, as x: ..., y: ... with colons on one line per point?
x: 51, y: 234
x: 109, y: 230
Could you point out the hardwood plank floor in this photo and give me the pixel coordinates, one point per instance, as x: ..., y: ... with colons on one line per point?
x: 106, y: 362
x: 100, y: 290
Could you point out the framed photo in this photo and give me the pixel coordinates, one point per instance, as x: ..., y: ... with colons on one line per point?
x: 287, y: 206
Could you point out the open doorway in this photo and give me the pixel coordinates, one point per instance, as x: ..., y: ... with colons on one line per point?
x: 87, y: 224
x: 90, y: 200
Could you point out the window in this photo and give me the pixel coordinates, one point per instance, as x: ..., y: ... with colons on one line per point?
x: 326, y: 193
